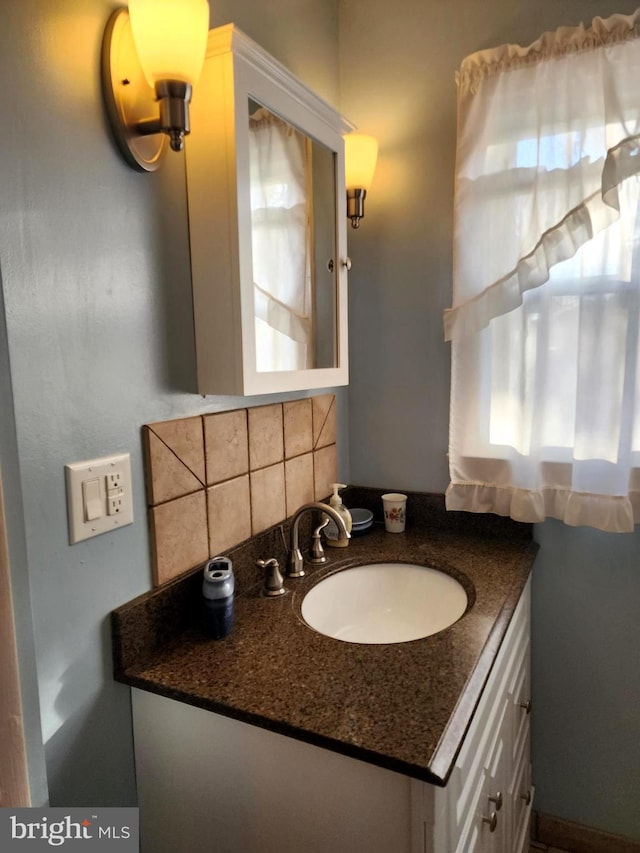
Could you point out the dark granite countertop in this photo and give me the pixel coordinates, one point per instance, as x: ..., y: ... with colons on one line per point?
x: 402, y: 706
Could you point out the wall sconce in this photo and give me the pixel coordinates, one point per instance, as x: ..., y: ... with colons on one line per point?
x: 152, y: 55
x: 360, y: 155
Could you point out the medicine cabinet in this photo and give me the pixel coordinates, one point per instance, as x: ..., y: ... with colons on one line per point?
x: 267, y: 225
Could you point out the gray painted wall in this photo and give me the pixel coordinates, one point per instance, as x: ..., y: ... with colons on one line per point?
x: 586, y: 680
x: 397, y: 81
x: 95, y: 277
x: 98, y: 341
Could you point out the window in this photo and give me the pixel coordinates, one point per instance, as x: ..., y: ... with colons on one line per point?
x: 545, y: 409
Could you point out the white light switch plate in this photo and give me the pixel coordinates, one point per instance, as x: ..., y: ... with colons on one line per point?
x: 98, y: 496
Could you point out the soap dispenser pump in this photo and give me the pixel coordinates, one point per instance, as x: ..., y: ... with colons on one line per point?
x: 336, y: 502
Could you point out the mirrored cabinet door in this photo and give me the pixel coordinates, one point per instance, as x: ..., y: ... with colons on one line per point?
x: 267, y: 223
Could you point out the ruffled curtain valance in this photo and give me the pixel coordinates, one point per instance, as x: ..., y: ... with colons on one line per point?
x: 551, y: 45
x: 546, y: 307
x: 575, y: 90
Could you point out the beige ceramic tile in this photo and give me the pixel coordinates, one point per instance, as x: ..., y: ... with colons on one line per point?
x: 324, y: 420
x: 184, y: 437
x: 166, y: 476
x: 229, y: 512
x: 226, y: 441
x: 267, y: 497
x: 266, y: 443
x: 298, y: 428
x: 325, y: 470
x: 179, y: 536
x: 298, y: 474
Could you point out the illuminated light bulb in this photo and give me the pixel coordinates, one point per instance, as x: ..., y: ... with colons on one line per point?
x: 170, y: 38
x: 361, y: 154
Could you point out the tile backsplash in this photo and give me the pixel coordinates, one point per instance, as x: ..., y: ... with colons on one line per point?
x: 215, y: 480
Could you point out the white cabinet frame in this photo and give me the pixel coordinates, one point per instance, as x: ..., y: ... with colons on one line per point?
x: 217, y: 162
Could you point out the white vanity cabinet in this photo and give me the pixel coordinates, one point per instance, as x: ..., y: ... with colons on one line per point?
x: 206, y: 782
x: 267, y: 226
x: 486, y: 805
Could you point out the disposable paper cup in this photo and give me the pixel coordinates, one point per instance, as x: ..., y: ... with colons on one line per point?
x: 394, y: 506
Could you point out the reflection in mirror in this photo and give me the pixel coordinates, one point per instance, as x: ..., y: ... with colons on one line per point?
x: 293, y: 234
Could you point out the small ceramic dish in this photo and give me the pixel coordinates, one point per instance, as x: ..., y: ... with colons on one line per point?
x: 361, y: 519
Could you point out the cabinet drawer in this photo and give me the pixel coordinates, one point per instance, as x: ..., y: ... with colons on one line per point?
x: 487, y: 825
x: 501, y: 686
x: 520, y: 697
x: 493, y: 726
x: 521, y: 798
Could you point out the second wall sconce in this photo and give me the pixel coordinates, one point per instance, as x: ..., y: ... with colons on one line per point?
x: 360, y: 155
x: 152, y: 56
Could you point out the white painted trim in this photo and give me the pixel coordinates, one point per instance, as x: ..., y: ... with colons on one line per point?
x: 229, y: 39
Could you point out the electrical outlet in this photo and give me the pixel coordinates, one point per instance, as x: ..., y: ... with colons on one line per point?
x: 115, y: 505
x: 116, y: 501
x: 114, y: 480
x: 98, y: 496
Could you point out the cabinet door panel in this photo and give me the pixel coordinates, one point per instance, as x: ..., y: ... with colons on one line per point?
x: 206, y: 782
x: 520, y: 698
x: 268, y: 257
x: 494, y: 813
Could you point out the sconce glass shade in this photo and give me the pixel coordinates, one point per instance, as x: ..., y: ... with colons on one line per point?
x: 170, y: 38
x: 360, y: 156
x: 148, y: 104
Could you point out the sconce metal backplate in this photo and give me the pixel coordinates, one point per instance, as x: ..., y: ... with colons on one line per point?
x: 129, y: 100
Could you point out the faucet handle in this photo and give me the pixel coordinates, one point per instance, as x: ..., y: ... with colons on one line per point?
x: 317, y: 551
x: 273, y: 581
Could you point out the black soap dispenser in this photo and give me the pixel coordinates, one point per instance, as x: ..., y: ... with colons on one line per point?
x: 217, y: 597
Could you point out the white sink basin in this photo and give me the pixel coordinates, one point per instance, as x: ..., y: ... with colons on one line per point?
x: 384, y: 603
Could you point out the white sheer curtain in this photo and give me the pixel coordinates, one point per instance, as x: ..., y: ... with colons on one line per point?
x: 280, y: 243
x: 545, y: 407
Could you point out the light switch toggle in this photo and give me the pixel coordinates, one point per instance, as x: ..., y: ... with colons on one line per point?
x: 92, y: 501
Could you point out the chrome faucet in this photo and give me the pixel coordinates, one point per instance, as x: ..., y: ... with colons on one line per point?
x: 295, y: 567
